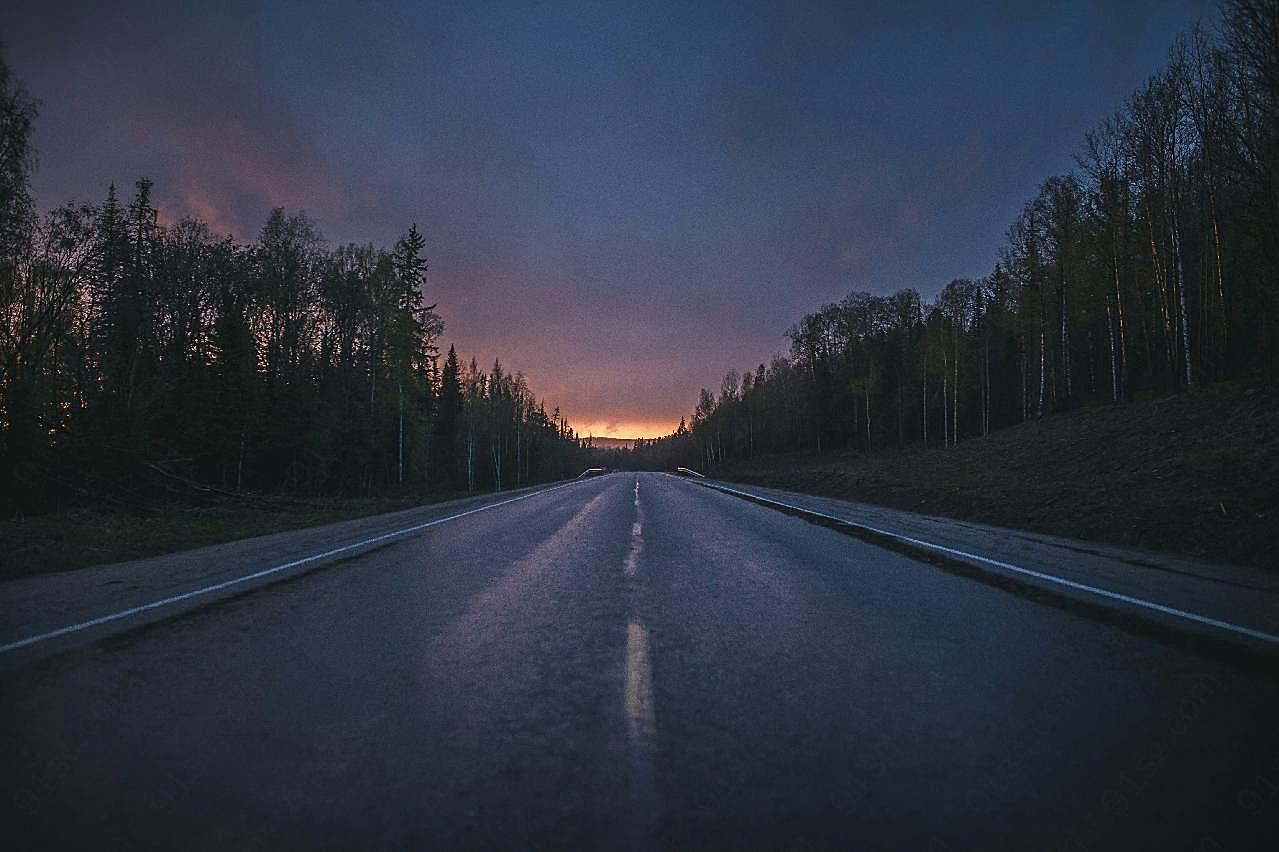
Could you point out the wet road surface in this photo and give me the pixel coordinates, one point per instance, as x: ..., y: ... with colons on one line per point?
x: 637, y: 662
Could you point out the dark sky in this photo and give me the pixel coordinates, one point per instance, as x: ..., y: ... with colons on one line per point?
x: 623, y: 200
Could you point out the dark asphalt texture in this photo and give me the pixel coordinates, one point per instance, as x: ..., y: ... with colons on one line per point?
x: 592, y: 669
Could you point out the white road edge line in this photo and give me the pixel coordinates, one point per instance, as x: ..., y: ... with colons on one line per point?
x: 1007, y: 566
x: 217, y: 587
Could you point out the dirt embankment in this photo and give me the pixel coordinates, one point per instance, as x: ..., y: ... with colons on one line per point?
x: 1196, y: 474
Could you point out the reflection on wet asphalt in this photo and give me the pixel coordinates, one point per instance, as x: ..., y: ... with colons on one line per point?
x: 635, y: 661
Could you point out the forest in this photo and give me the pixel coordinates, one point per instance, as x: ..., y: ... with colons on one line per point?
x: 142, y: 364
x: 1149, y: 269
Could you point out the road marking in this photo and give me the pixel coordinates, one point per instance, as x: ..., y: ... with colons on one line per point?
x: 637, y: 695
x: 217, y: 587
x: 637, y: 537
x: 1227, y: 626
x: 637, y: 544
x: 638, y: 820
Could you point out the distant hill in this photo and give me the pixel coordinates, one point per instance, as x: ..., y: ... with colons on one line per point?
x: 613, y: 443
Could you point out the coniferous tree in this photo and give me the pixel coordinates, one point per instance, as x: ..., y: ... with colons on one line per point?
x: 448, y: 420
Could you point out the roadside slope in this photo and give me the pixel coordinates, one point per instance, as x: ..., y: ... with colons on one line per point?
x: 78, y: 538
x: 1196, y: 474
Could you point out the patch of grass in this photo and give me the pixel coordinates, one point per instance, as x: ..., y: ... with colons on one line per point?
x: 1196, y: 474
x: 81, y: 537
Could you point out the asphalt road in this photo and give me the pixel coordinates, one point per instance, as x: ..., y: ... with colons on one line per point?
x: 637, y: 662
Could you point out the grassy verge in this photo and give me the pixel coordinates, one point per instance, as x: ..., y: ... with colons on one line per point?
x: 82, y: 537
x: 1196, y: 474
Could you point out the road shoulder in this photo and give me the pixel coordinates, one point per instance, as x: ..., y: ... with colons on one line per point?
x: 1247, y: 598
x: 161, y: 587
